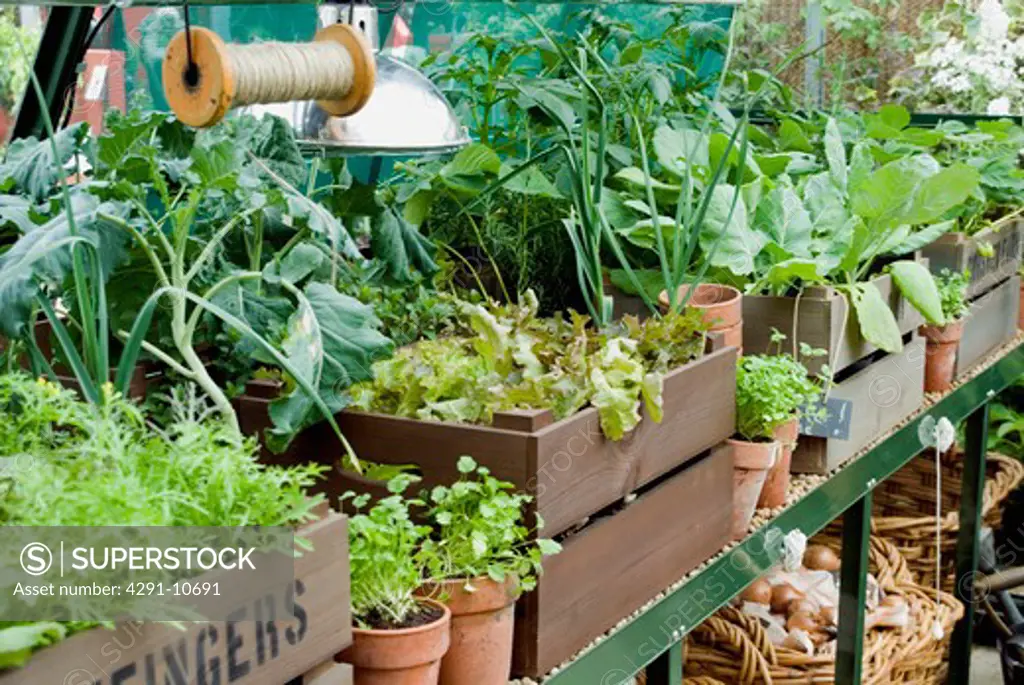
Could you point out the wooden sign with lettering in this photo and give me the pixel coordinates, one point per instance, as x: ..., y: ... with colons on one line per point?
x: 261, y: 646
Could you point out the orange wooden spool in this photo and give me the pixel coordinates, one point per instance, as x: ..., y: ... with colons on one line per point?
x: 202, y: 95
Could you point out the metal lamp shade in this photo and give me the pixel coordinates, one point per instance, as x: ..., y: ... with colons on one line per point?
x: 406, y: 115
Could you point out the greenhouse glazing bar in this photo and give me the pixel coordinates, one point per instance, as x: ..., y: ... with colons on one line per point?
x: 652, y: 639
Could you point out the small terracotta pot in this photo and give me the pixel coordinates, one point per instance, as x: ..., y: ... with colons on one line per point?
x: 940, y: 355
x: 751, y: 462
x: 407, y: 656
x: 721, y: 307
x: 482, y: 625
x: 776, y: 485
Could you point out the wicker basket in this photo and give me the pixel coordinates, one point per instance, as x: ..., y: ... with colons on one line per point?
x: 904, y: 510
x: 734, y: 648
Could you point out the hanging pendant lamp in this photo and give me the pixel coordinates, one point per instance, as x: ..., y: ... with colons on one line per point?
x: 406, y: 115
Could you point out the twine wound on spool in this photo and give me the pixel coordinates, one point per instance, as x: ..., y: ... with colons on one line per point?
x: 337, y: 69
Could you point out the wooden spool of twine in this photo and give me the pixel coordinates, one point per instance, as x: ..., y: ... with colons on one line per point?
x: 337, y: 70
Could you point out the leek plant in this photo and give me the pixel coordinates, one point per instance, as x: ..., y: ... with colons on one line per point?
x: 589, y: 228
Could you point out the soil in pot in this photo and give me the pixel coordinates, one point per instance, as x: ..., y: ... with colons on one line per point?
x: 721, y: 307
x: 941, y: 346
x: 401, y: 655
x: 483, y: 620
x: 751, y: 462
x: 776, y: 484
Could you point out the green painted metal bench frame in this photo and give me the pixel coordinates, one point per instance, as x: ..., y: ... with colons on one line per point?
x: 653, y: 639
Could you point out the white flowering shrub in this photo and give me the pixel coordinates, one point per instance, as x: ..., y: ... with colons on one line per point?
x: 973, y: 65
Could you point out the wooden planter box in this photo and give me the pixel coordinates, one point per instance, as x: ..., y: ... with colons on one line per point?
x: 826, y: 321
x: 328, y: 673
x: 243, y: 651
x: 880, y: 396
x: 956, y: 252
x: 616, y: 564
x: 569, y: 467
x: 991, y: 322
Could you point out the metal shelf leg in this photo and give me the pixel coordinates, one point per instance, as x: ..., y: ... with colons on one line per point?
x: 972, y: 491
x: 853, y: 583
x: 55, y: 67
x: 667, y: 669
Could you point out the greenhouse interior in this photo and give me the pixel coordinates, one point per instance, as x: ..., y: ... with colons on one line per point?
x: 482, y: 342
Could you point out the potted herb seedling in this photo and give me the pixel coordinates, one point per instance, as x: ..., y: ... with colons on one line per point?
x: 771, y: 391
x: 944, y: 339
x: 398, y: 638
x: 480, y: 558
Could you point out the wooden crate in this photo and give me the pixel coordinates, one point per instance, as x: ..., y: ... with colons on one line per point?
x: 617, y: 564
x: 957, y: 252
x: 881, y: 394
x: 328, y: 673
x: 248, y: 650
x: 991, y: 322
x: 826, y: 321
x: 569, y: 467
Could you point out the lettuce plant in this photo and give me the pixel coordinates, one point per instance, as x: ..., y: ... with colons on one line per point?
x: 510, y: 359
x: 477, y: 531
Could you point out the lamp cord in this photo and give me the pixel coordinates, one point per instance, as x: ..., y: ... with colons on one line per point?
x: 191, y: 65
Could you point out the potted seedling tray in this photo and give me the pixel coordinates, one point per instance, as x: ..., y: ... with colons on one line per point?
x: 568, y: 466
x: 249, y: 650
x: 619, y: 562
x: 991, y: 322
x: 868, y: 399
x: 959, y: 252
x: 825, y: 321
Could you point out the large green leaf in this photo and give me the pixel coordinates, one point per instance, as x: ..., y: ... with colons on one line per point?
x: 835, y: 153
x: 674, y: 148
x: 923, y: 236
x: 272, y: 140
x: 44, y: 255
x: 792, y: 137
x: 472, y: 169
x: 886, y: 195
x: 398, y: 244
x: 30, y: 163
x: 877, y: 322
x: 335, y: 339
x: 532, y: 181
x: 918, y: 286
x: 789, y: 272
x: 728, y: 241
x: 785, y: 220
x: 888, y: 122
x: 941, y: 192
x: 16, y: 211
x: 825, y: 203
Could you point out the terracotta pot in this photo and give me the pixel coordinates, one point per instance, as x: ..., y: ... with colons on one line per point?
x: 776, y: 485
x: 721, y: 307
x: 940, y: 354
x: 482, y: 626
x: 751, y: 462
x: 408, y: 656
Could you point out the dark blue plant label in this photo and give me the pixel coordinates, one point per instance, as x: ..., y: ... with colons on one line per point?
x: 831, y: 421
